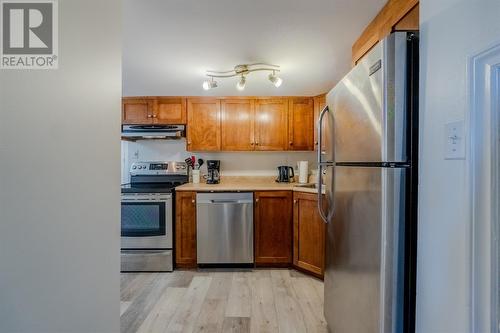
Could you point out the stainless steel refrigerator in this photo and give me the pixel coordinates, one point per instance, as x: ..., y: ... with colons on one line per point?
x: 368, y: 162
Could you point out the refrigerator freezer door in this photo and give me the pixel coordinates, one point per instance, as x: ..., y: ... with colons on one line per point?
x: 369, y: 106
x: 363, y: 259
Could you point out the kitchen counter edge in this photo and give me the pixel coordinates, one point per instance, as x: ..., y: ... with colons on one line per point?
x: 202, y: 187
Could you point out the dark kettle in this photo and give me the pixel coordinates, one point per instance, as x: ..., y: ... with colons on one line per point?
x: 285, y: 174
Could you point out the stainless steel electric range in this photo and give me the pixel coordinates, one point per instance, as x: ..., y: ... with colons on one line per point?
x: 147, y: 215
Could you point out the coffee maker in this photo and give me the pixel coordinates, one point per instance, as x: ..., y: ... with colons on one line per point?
x: 213, y: 167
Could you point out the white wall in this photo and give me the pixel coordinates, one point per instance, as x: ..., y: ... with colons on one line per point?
x: 232, y: 163
x: 451, y: 31
x: 59, y: 180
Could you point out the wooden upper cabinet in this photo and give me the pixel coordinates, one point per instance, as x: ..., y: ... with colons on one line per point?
x: 137, y: 111
x: 300, y: 123
x: 273, y: 227
x: 308, y: 234
x: 319, y: 105
x: 231, y: 124
x: 169, y: 110
x: 204, y: 124
x: 154, y: 110
x: 185, y: 229
x: 238, y: 124
x: 271, y: 124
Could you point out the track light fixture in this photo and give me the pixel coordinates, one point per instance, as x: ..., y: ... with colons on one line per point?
x: 209, y: 84
x: 243, y: 71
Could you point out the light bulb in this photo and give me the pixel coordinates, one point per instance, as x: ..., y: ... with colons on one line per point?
x: 209, y: 84
x: 241, y: 83
x: 276, y: 80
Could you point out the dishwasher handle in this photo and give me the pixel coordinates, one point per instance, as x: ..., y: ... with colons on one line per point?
x: 228, y: 199
x: 221, y: 201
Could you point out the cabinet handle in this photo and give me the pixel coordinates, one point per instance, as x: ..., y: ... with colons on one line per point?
x: 256, y: 143
x: 150, y: 116
x: 290, y: 143
x: 251, y: 143
x: 154, y: 116
x: 189, y: 142
x: 257, y: 200
x: 295, y: 201
x: 193, y: 201
x: 315, y: 143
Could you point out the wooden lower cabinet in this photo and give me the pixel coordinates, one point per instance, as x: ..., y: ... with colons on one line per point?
x: 185, y: 229
x: 309, y: 234
x: 273, y: 228
x: 288, y: 231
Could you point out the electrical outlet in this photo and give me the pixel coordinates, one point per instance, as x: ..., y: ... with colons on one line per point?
x: 455, y: 140
x: 136, y: 155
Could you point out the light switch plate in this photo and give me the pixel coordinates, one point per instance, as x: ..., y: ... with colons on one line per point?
x: 455, y: 140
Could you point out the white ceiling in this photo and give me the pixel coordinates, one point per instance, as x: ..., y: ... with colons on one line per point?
x: 168, y: 44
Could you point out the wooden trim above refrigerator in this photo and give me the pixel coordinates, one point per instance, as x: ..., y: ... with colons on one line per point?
x: 396, y: 15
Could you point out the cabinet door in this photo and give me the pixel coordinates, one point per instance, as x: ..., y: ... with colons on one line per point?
x: 273, y: 227
x: 185, y: 229
x: 238, y: 124
x: 319, y: 104
x: 203, y: 127
x: 308, y: 234
x: 170, y: 110
x: 271, y: 124
x: 300, y: 124
x: 136, y: 111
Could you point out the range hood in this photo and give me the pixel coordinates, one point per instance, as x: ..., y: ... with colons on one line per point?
x: 151, y: 132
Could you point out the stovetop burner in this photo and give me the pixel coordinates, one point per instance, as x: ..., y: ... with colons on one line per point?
x: 156, y: 177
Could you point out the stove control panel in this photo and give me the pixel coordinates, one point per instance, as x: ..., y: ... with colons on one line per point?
x: 158, y: 168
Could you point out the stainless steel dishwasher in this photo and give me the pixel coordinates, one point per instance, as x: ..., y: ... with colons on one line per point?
x: 224, y: 229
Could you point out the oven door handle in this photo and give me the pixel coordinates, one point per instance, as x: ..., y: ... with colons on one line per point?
x: 140, y: 200
x: 146, y: 200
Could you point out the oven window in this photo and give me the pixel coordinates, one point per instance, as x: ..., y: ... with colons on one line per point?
x: 142, y: 219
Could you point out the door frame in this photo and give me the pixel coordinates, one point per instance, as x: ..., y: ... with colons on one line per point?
x: 483, y: 171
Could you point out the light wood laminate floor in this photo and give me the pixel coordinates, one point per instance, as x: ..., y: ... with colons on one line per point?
x: 263, y: 300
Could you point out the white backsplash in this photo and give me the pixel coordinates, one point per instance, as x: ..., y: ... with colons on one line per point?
x: 232, y: 163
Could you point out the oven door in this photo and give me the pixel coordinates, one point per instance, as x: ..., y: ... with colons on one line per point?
x: 146, y: 221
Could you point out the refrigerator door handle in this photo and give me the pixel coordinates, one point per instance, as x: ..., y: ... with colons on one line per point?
x: 325, y: 216
x: 328, y: 215
x: 320, y: 131
x: 320, y: 192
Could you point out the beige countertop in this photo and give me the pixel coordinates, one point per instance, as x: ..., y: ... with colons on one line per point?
x: 245, y: 184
